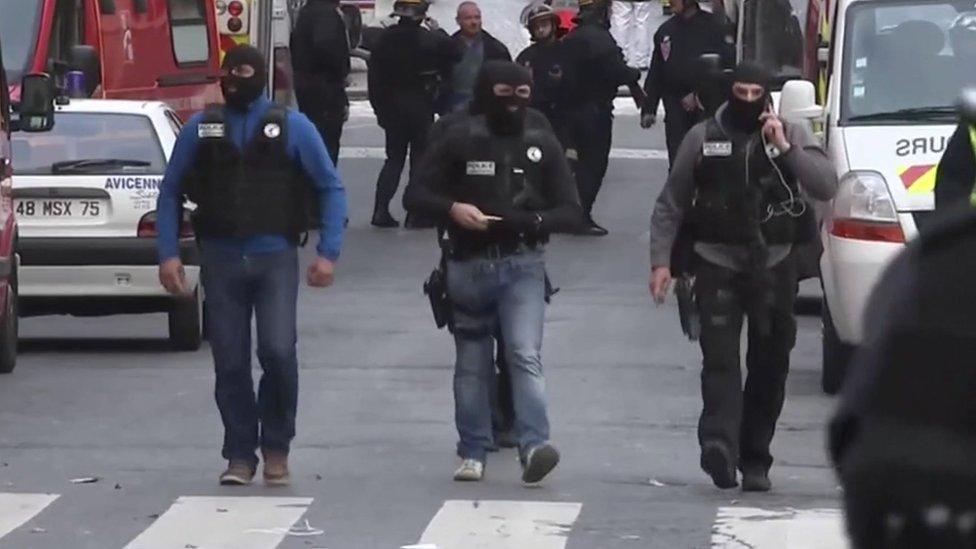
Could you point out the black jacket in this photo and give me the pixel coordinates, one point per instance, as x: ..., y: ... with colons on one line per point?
x: 678, y: 45
x: 494, y: 49
x: 320, y: 56
x: 554, y: 77
x: 456, y: 167
x: 404, y: 70
x: 956, y: 176
x: 599, y: 63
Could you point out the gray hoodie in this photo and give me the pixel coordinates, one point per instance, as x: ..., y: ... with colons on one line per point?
x: 806, y: 159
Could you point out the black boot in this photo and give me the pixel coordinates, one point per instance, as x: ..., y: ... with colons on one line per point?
x: 590, y: 228
x: 755, y: 479
x: 383, y: 219
x: 716, y: 460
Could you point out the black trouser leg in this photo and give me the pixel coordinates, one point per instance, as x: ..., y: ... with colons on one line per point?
x: 768, y: 363
x: 329, y: 123
x: 594, y: 139
x: 397, y: 142
x: 722, y: 315
x: 677, y: 123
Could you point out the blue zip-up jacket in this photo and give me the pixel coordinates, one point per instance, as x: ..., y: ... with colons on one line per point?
x: 304, y: 145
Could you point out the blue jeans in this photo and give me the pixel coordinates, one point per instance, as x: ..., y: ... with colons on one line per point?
x: 508, y: 292
x: 264, y: 285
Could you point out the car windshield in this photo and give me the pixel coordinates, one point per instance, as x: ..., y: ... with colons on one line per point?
x: 772, y: 35
x: 19, y: 22
x: 906, y: 62
x: 112, y: 144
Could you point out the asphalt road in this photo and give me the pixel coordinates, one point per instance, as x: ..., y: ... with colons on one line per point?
x: 373, y: 459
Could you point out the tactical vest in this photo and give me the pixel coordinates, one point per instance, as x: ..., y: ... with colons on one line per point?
x: 255, y: 191
x: 740, y: 195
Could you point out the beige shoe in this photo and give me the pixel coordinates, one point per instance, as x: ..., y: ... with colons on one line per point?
x: 238, y: 473
x: 276, y: 469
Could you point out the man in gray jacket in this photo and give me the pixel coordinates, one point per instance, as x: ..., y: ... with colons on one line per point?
x: 737, y: 179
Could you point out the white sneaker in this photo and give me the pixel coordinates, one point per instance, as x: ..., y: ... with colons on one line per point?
x: 471, y: 470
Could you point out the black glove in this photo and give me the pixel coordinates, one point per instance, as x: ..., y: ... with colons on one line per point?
x: 520, y: 221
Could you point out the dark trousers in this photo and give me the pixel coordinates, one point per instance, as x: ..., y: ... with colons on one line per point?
x: 265, y: 287
x: 677, y: 123
x: 593, y: 137
x: 744, y: 421
x: 402, y: 135
x: 329, y: 124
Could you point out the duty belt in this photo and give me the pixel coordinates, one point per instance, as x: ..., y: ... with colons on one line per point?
x: 493, y: 251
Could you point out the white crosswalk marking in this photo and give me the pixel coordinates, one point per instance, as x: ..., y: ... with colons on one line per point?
x: 223, y: 523
x: 736, y: 528
x: 16, y: 509
x: 462, y: 524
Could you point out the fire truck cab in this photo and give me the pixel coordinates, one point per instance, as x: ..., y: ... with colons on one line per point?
x: 166, y: 50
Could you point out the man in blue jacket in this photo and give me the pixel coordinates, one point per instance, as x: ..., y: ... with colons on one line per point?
x: 261, y: 178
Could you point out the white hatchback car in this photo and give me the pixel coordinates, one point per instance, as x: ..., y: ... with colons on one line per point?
x: 85, y: 199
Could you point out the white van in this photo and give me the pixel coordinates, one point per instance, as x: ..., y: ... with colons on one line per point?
x: 894, y: 71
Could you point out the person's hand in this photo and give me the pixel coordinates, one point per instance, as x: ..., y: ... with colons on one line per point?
x: 774, y: 132
x: 173, y: 277
x: 470, y: 217
x: 690, y: 102
x: 648, y: 120
x: 432, y: 24
x: 660, y: 283
x: 321, y: 273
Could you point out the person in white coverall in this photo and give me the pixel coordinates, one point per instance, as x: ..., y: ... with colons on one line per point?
x: 630, y: 26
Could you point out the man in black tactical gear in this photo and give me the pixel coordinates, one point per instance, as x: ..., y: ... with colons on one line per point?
x: 501, y: 185
x: 738, y: 176
x: 403, y: 80
x: 601, y: 70
x: 320, y: 61
x: 676, y: 71
x: 553, y: 74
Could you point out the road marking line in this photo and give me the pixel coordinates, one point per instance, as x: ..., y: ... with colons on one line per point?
x: 223, y: 523
x: 379, y: 153
x: 736, y: 528
x: 16, y: 509
x: 462, y: 524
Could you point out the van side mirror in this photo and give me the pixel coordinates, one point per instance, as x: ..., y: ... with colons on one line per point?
x: 799, y: 101
x: 967, y: 105
x: 85, y: 60
x: 36, y: 108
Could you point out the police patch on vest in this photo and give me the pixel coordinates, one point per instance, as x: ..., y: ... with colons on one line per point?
x: 717, y: 148
x: 481, y: 168
x: 213, y: 130
x: 534, y: 154
x: 272, y: 130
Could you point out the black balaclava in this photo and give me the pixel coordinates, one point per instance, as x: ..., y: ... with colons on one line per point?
x: 240, y: 92
x: 744, y: 115
x: 506, y: 115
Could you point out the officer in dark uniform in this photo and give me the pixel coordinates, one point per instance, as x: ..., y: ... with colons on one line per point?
x: 403, y: 80
x: 738, y: 175
x: 501, y: 185
x: 255, y: 171
x: 320, y: 60
x: 553, y: 74
x: 676, y: 68
x: 601, y: 70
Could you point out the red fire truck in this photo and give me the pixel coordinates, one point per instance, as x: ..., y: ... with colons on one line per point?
x: 127, y: 49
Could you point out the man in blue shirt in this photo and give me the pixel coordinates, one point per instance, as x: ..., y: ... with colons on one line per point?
x: 260, y: 177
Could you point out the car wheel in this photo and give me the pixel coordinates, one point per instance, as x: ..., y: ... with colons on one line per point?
x: 836, y: 355
x: 9, y: 329
x: 186, y: 322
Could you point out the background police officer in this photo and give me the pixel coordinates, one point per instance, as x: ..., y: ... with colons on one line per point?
x: 403, y: 75
x: 553, y: 74
x: 320, y: 60
x: 738, y: 175
x: 255, y: 170
x: 601, y: 71
x: 675, y: 72
x: 501, y: 184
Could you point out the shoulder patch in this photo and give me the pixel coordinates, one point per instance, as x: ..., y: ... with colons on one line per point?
x: 272, y: 130
x: 534, y: 154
